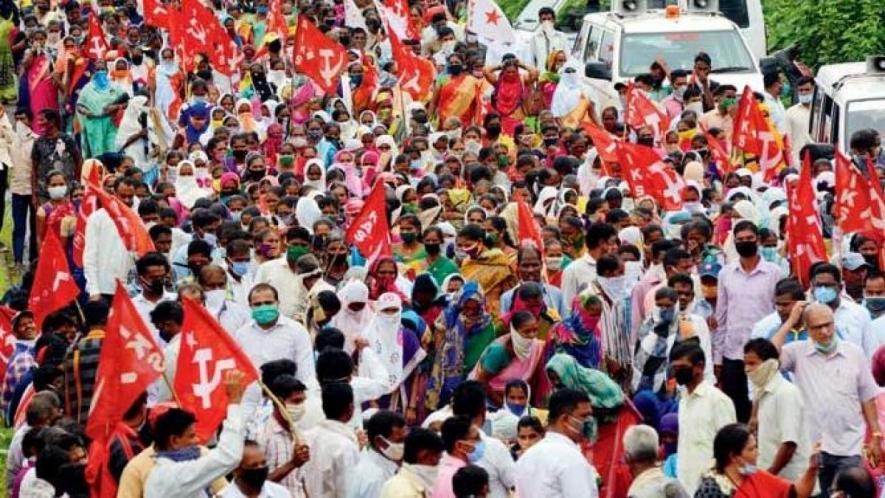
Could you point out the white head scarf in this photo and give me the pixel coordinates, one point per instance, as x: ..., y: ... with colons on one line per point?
x: 186, y: 188
x: 307, y: 211
x: 352, y: 323
x: 320, y: 184
x: 384, y: 334
x: 570, y: 89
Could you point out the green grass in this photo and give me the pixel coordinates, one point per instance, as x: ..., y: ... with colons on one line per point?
x: 5, y: 438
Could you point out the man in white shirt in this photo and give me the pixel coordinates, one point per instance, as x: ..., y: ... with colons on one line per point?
x: 416, y: 476
x: 153, y: 270
x: 204, y: 224
x: 799, y: 116
x: 105, y: 257
x: 780, y: 413
x: 250, y: 478
x: 237, y: 263
x: 555, y: 467
x: 546, y: 39
x: 269, y: 336
x: 703, y: 410
x: 219, y: 300
x: 381, y: 459
x: 333, y: 445
x: 277, y: 436
x: 281, y: 274
x: 776, y: 111
x: 180, y: 470
x: 874, y: 302
x: 469, y: 400
x: 601, y: 239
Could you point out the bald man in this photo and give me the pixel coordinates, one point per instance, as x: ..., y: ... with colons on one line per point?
x: 837, y: 388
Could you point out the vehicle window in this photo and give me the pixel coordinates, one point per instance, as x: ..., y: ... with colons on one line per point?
x: 863, y: 114
x: 827, y: 124
x: 833, y: 132
x: 726, y: 48
x: 593, y: 38
x: 607, y: 48
x: 736, y: 10
x: 816, y: 115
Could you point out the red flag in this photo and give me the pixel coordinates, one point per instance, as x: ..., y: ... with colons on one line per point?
x: 604, y: 142
x: 130, y: 227
x: 203, y: 33
x: 53, y: 287
x: 363, y: 95
x: 643, y: 112
x: 752, y: 134
x: 416, y: 74
x: 88, y: 205
x: 369, y: 231
x: 156, y: 14
x: 647, y: 174
x: 717, y: 152
x: 317, y: 56
x: 7, y: 340
x: 527, y: 227
x: 854, y: 198
x: 805, y: 241
x: 130, y: 361
x: 96, y: 45
x: 398, y: 17
x: 207, y: 350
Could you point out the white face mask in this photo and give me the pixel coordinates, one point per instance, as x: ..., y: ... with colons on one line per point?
x: 215, y: 300
x: 391, y: 320
x: 693, y: 207
x: 697, y: 107
x: 554, y: 263
x: 522, y: 346
x: 295, y: 411
x: 614, y: 286
x: 58, y: 192
x: 806, y: 98
x: 394, y: 451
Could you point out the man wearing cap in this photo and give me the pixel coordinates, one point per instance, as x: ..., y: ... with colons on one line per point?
x: 854, y: 268
x: 705, y: 304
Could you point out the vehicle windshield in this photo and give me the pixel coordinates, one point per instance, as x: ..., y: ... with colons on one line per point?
x: 726, y: 49
x: 864, y: 114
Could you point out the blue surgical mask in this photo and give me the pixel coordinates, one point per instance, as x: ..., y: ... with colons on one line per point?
x: 826, y: 295
x: 101, y: 79
x: 478, y: 451
x: 769, y: 254
x: 211, y: 238
x: 239, y: 268
x: 515, y: 409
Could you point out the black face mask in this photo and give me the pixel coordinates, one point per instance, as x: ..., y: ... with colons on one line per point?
x: 550, y: 142
x: 205, y: 74
x: 683, y: 375
x: 275, y: 46
x: 432, y: 249
x: 153, y: 286
x: 256, y: 174
x: 746, y: 249
x: 455, y: 69
x: 647, y: 141
x: 195, y: 269
x: 493, y: 129
x: 240, y: 155
x: 137, y: 59
x: 254, y: 478
x: 420, y: 117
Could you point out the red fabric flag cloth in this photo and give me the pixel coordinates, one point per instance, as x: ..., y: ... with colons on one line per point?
x: 369, y: 231
x: 54, y: 287
x: 647, y: 174
x: 96, y: 45
x: 7, y: 340
x: 363, y: 94
x: 527, y: 227
x: 605, y: 142
x: 717, y: 152
x: 156, y: 14
x: 130, y: 361
x: 88, y: 205
x: 202, y: 30
x: 130, y: 227
x: 317, y: 56
x: 805, y: 240
x: 643, y: 112
x: 207, y: 351
x: 416, y: 74
x: 854, y: 197
x: 752, y: 134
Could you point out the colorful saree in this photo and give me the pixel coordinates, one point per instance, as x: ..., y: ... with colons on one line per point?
x: 458, y: 99
x: 491, y: 271
x: 42, y: 93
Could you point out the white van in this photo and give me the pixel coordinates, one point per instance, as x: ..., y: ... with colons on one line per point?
x: 619, y: 45
x: 848, y: 97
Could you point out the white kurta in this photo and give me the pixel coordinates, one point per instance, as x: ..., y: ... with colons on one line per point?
x: 555, y: 468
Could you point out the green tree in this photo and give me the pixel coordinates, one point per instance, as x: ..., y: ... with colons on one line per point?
x: 826, y: 31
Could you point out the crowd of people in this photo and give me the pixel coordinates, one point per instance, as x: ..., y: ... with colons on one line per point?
x: 464, y: 293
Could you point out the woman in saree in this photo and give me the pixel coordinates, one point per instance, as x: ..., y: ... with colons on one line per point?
x: 490, y: 268
x: 410, y: 252
x: 511, y: 88
x: 42, y: 88
x: 435, y: 263
x: 99, y: 101
x: 384, y: 277
x: 579, y: 335
x: 735, y: 475
x: 167, y: 84
x: 530, y: 296
x: 517, y: 354
x: 9, y: 19
x: 573, y: 101
x: 550, y: 77
x: 456, y: 94
x: 398, y: 349
x: 460, y: 335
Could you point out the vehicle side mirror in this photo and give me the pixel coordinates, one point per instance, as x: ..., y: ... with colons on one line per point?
x: 598, y: 70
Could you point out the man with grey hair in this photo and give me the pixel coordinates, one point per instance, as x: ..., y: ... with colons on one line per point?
x: 838, y: 390
x: 641, y: 454
x: 43, y: 411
